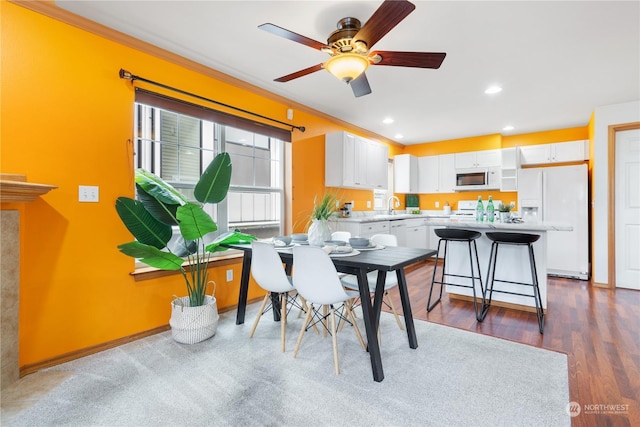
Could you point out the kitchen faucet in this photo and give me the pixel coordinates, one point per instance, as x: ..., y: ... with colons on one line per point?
x: 389, y: 203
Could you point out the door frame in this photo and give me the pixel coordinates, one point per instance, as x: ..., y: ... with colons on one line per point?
x: 613, y: 129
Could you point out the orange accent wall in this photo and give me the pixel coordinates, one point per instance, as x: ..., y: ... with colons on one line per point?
x: 67, y: 120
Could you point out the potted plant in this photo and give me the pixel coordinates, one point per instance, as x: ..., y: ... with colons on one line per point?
x: 151, y: 219
x: 505, y: 212
x: 323, y: 210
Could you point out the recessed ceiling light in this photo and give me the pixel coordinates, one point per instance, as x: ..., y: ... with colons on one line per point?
x: 399, y: 136
x: 493, y: 89
x: 387, y: 120
x: 507, y: 128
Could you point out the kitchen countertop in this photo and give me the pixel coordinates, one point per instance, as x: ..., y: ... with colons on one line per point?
x: 506, y: 226
x: 437, y: 218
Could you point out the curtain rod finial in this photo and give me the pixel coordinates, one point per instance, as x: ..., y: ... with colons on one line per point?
x: 124, y: 74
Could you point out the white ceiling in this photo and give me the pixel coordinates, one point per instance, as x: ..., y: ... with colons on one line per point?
x: 556, y: 61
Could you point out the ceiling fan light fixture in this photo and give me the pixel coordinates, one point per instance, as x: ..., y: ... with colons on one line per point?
x: 347, y: 66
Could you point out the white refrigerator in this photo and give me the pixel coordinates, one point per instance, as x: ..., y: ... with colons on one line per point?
x: 561, y: 195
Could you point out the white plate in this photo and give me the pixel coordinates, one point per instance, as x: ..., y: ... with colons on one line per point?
x: 340, y: 254
x: 284, y: 246
x: 371, y: 248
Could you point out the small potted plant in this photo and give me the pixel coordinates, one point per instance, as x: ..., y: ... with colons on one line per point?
x: 151, y: 220
x: 323, y: 210
x: 505, y: 212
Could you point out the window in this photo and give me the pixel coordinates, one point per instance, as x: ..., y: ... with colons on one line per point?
x: 178, y: 147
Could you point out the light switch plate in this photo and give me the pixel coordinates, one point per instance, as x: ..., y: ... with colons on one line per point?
x: 88, y: 193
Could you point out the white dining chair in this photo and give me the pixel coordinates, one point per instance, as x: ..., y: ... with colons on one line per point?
x: 316, y: 279
x: 268, y: 272
x: 350, y: 281
x: 341, y: 235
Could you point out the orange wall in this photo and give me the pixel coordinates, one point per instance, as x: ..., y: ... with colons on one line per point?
x: 67, y: 120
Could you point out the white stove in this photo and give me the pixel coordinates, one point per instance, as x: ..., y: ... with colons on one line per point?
x: 467, y: 209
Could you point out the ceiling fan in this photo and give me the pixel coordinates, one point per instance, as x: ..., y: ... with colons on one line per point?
x: 350, y: 47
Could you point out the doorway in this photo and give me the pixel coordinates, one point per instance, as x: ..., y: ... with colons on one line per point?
x: 624, y: 206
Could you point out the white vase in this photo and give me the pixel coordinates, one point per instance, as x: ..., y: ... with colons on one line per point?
x: 319, y: 232
x: 504, y: 216
x: 190, y: 325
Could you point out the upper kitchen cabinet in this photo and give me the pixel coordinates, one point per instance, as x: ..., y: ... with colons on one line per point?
x: 509, y: 169
x: 477, y: 159
x: 436, y: 174
x: 560, y: 152
x: 354, y: 162
x: 405, y: 173
x: 377, y: 165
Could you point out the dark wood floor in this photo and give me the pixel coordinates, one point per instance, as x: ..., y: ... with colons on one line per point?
x: 598, y: 329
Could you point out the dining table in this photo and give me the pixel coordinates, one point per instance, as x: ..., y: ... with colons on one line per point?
x: 384, y: 260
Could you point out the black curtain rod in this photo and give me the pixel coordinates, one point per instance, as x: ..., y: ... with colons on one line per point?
x: 124, y: 74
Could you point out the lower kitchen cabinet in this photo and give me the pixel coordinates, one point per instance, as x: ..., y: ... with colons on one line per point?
x: 361, y: 229
x: 417, y: 237
x: 399, y: 229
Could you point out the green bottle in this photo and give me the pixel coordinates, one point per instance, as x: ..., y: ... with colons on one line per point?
x: 490, y: 210
x: 479, y: 210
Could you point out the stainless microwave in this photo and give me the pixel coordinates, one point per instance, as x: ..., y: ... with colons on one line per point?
x: 477, y: 179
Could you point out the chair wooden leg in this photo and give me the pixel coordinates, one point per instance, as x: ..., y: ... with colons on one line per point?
x: 264, y: 304
x: 307, y: 319
x: 306, y: 309
x: 355, y: 326
x: 303, y: 302
x: 283, y: 320
x: 334, y: 338
x: 325, y: 312
x: 393, y: 309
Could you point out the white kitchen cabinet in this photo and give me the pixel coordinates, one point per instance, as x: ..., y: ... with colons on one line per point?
x: 399, y: 229
x: 477, y: 159
x: 405, y: 173
x: 509, y: 169
x: 436, y: 174
x: 416, y: 234
x: 428, y: 174
x: 559, y: 152
x: 354, y: 162
x: 377, y: 161
x: 361, y: 229
x: 447, y: 173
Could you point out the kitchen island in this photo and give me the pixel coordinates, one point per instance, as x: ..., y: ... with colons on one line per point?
x: 512, y: 264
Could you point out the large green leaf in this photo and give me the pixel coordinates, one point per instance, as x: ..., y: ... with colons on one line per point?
x: 158, y: 188
x: 194, y: 222
x: 214, y: 182
x: 230, y: 237
x: 161, y: 211
x: 144, y: 227
x: 151, y: 256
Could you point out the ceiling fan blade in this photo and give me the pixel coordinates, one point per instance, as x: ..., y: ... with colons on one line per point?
x: 282, y: 32
x: 409, y: 59
x: 387, y: 16
x: 360, y: 85
x: 300, y: 73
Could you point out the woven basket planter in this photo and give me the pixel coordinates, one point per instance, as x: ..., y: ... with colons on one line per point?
x: 190, y: 325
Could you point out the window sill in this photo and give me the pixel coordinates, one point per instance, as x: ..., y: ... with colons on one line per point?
x: 149, y: 273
